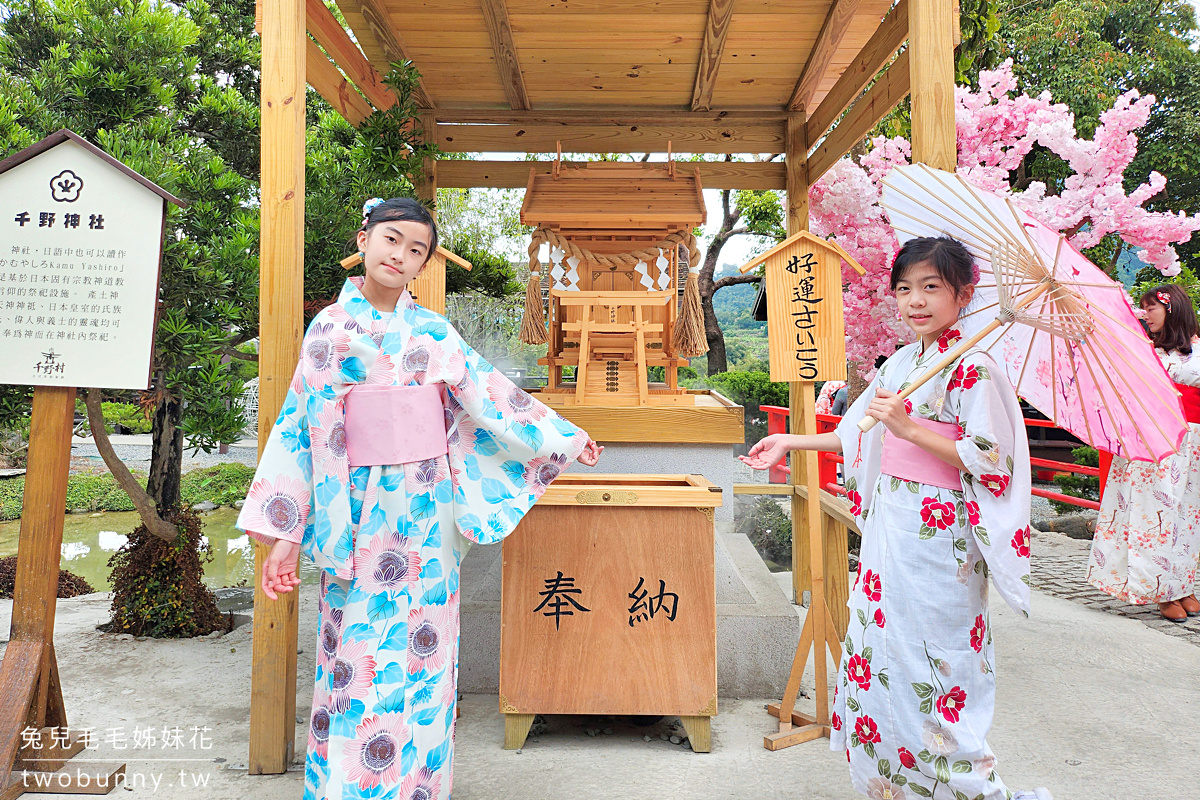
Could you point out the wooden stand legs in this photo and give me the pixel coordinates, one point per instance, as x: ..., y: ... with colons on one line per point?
x: 819, y: 631
x: 699, y: 731
x: 32, y: 711
x: 516, y: 728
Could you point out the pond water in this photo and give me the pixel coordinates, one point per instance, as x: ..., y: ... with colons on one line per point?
x: 89, y: 540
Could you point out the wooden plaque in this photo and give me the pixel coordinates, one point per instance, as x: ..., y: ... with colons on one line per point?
x: 805, y: 323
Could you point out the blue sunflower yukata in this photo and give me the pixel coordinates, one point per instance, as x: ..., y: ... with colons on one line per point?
x: 389, y: 540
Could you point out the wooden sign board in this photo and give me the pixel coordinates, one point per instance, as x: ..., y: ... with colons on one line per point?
x: 81, y: 239
x: 805, y: 322
x: 595, y: 623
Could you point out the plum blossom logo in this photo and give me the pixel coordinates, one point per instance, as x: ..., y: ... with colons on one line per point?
x: 66, y: 186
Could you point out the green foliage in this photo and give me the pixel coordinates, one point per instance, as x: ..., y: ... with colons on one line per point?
x: 245, y: 370
x: 223, y: 484
x: 659, y: 374
x: 1148, y: 277
x: 761, y: 212
x: 769, y: 529
x: 130, y: 417
x: 1084, y: 486
x: 158, y: 586
x: 750, y: 388
x: 491, y: 273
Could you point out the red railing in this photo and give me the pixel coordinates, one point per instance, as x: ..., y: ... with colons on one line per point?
x: 777, y: 419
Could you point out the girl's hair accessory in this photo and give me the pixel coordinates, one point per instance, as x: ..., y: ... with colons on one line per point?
x: 1164, y: 298
x: 368, y: 207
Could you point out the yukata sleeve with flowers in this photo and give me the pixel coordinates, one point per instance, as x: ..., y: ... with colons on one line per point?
x: 996, y: 486
x: 278, y: 503
x: 505, y: 446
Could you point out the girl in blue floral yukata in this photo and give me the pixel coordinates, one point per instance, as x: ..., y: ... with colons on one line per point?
x: 389, y: 531
x: 941, y: 490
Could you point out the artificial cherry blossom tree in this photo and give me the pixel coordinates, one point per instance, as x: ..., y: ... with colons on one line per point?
x: 996, y: 130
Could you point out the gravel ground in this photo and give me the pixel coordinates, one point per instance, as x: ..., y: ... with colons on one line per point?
x: 136, y: 455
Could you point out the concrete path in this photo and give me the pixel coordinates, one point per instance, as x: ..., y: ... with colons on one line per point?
x: 1090, y: 704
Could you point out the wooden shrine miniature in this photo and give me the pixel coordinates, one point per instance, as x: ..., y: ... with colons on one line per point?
x: 615, y: 233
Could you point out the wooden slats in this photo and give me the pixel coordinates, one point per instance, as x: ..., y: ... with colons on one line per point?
x: 889, y: 89
x: 322, y: 74
x: 720, y: 12
x: 887, y: 39
x: 333, y: 38
x: 841, y: 15
x: 597, y: 138
x: 495, y: 15
x: 515, y: 174
x: 381, y: 28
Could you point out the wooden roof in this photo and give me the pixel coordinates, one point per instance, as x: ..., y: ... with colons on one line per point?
x: 595, y: 53
x: 621, y: 76
x: 615, y: 195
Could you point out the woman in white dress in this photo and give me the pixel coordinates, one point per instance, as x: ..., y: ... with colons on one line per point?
x: 1148, y: 532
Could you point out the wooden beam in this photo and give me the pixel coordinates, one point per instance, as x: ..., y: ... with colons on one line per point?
x: 380, y: 27
x: 333, y: 38
x: 931, y: 42
x: 612, y: 115
x: 456, y: 174
x: 837, y: 22
x: 720, y: 12
x: 796, y: 164
x: 495, y: 16
x: 874, y: 56
x: 889, y: 89
x: 322, y: 74
x: 542, y: 137
x: 280, y: 297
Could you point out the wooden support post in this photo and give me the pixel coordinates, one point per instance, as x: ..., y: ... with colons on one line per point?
x: 425, y: 184
x: 932, y: 26
x: 30, y: 692
x: 281, y: 295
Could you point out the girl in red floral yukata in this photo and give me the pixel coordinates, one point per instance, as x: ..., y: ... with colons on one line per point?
x: 941, y: 490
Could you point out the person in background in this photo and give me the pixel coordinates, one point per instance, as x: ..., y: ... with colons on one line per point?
x: 1148, y: 531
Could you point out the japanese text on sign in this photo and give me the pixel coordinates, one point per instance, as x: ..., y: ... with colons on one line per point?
x: 805, y: 308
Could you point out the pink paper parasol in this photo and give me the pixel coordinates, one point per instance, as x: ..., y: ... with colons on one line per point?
x: 1063, y: 331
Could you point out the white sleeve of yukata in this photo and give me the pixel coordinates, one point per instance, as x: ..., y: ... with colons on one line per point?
x: 996, y: 487
x: 278, y: 503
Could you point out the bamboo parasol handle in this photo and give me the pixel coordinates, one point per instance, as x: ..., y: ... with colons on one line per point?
x: 867, y: 423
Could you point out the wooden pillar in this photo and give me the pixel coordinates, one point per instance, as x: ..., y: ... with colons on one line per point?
x: 932, y: 31
x: 281, y: 321
x: 803, y: 417
x: 426, y: 183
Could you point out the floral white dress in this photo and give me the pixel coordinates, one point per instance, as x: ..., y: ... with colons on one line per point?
x: 916, y: 688
x: 1148, y: 531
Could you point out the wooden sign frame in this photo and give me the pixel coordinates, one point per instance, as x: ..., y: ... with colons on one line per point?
x: 30, y: 687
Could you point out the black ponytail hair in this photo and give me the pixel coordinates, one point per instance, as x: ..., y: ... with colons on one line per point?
x: 403, y: 209
x: 1180, y: 326
x: 950, y: 257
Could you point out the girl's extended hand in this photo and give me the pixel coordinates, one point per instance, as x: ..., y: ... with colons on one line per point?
x: 591, y: 454
x: 888, y: 408
x: 767, y: 452
x: 280, y: 570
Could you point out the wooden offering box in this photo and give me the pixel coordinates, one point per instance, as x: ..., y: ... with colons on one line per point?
x: 609, y: 603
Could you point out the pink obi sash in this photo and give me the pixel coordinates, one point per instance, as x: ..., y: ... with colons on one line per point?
x: 387, y: 425
x: 908, y: 462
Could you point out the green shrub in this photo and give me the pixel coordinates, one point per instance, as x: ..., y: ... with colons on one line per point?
x: 769, y: 529
x: 1084, y: 486
x: 127, y: 415
x: 750, y: 388
x: 158, y: 586
x: 223, y: 484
